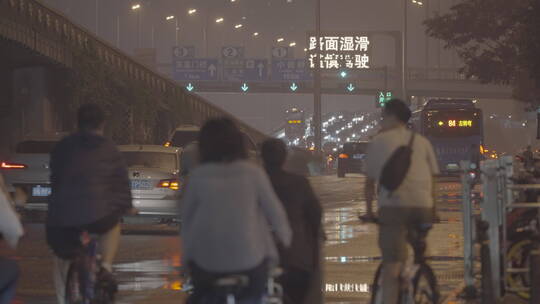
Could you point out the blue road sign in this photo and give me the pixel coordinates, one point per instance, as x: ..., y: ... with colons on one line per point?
x: 291, y: 70
x: 195, y: 69
x: 245, y: 70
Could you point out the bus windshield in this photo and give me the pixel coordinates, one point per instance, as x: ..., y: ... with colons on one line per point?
x: 452, y: 123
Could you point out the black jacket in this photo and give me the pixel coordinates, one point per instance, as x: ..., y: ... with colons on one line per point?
x: 89, y: 181
x: 304, y: 212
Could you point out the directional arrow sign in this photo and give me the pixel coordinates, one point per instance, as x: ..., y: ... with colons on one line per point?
x: 244, y: 87
x: 212, y: 70
x: 190, y: 87
x: 350, y: 87
x: 294, y: 87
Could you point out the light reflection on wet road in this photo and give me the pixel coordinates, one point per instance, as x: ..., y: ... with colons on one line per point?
x: 149, y: 261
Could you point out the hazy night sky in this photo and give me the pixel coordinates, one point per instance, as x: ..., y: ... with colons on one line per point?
x: 272, y: 19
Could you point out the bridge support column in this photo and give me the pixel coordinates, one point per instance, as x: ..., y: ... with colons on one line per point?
x: 27, y: 105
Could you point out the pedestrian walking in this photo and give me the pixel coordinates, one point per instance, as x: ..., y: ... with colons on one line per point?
x: 229, y: 211
x: 301, y: 260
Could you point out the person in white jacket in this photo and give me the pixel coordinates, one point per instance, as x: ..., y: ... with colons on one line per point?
x: 10, y: 230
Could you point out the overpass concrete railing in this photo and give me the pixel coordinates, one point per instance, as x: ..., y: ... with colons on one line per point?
x: 51, y: 34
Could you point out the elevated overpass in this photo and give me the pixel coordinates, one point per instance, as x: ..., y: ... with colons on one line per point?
x: 433, y: 82
x: 50, y: 64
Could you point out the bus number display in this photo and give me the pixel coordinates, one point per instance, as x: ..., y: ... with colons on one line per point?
x: 452, y: 123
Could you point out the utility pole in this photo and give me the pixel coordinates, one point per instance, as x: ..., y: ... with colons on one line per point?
x: 317, y: 117
x: 427, y: 40
x: 404, y: 53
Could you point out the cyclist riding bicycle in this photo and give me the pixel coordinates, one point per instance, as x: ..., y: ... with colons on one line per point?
x: 90, y: 192
x: 411, y: 204
x: 10, y: 232
x: 229, y: 212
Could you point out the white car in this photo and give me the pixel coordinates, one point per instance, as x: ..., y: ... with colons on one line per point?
x: 186, y: 134
x: 154, y: 173
x: 183, y: 135
x: 27, y: 172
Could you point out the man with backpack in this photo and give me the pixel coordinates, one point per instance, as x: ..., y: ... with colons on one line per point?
x: 403, y: 164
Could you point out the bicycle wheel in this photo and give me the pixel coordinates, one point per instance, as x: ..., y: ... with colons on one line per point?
x: 517, y: 258
x: 426, y: 290
x: 73, y: 293
x: 376, y: 288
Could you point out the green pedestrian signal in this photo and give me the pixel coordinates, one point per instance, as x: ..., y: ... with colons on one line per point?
x: 382, y: 98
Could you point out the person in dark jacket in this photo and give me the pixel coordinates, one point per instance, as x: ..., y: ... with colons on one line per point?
x: 301, y: 260
x: 90, y: 192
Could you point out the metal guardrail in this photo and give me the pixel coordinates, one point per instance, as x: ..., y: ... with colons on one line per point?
x: 50, y: 33
x: 498, y: 199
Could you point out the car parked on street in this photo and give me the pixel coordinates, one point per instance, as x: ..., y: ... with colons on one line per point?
x: 351, y: 158
x: 154, y: 173
x: 27, y: 172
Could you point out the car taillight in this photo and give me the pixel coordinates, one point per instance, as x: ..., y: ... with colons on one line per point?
x: 343, y: 156
x: 167, y: 144
x: 172, y: 184
x: 11, y: 166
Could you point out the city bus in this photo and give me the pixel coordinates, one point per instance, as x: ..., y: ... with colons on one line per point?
x: 455, y: 129
x: 295, y: 125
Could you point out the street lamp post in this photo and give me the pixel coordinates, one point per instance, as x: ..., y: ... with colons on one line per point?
x: 404, y: 53
x: 317, y: 107
x: 137, y: 8
x: 97, y: 17
x: 118, y: 31
x: 176, y: 28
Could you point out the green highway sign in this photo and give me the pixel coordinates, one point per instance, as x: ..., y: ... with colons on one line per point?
x: 382, y: 98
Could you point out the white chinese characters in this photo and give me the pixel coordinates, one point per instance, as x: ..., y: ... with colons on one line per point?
x: 336, y: 52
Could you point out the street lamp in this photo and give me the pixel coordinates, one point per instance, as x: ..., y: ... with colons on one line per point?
x: 256, y: 34
x: 280, y: 39
x: 292, y: 44
x: 137, y: 8
x: 421, y: 3
x: 176, y: 27
x: 219, y: 20
x: 238, y: 26
x: 192, y: 11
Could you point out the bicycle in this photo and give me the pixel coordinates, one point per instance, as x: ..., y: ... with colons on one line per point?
x: 85, y: 282
x: 227, y: 289
x: 418, y: 284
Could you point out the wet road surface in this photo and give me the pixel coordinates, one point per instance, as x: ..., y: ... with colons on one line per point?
x: 149, y: 259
